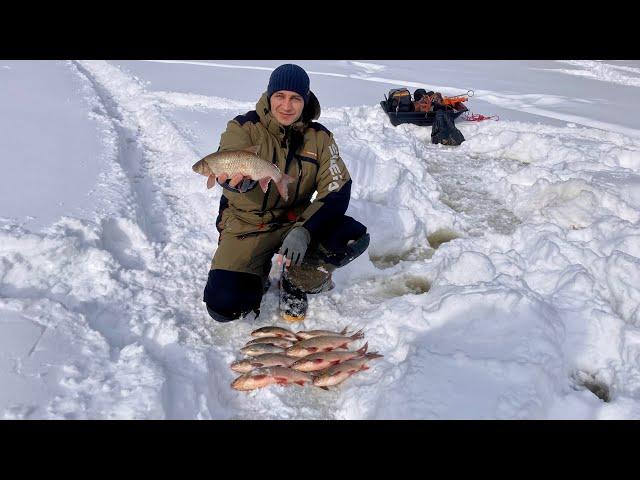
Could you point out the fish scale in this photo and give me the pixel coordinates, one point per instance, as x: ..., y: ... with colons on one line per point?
x: 244, y: 162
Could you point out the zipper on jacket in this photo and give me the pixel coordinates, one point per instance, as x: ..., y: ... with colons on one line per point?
x: 266, y: 194
x: 287, y: 162
x: 299, y: 180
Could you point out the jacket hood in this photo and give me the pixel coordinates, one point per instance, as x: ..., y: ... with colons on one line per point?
x: 310, y: 112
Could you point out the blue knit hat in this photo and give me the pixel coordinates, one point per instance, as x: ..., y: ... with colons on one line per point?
x: 289, y: 77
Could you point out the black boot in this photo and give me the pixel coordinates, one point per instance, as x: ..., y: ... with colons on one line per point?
x: 293, y: 302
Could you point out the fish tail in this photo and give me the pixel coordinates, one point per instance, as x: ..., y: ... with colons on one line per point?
x: 363, y: 350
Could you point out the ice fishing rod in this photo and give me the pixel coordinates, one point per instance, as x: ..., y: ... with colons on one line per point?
x: 477, y: 117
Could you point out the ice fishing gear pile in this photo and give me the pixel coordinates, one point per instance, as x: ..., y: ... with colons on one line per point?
x: 318, y: 357
x: 431, y: 108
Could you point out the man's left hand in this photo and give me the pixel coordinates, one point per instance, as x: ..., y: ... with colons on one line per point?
x: 294, y: 246
x: 235, y: 179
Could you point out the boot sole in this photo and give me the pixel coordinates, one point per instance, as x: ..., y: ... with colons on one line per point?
x: 291, y: 318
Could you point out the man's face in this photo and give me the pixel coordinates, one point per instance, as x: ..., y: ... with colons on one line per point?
x: 286, y: 107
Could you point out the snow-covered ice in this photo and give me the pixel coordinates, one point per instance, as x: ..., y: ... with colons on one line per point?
x: 500, y: 283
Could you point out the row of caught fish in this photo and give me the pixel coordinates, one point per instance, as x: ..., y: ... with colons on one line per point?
x: 294, y: 337
x: 321, y: 342
x: 278, y: 358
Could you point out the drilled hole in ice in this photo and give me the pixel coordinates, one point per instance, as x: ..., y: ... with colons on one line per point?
x: 441, y: 236
x: 591, y: 383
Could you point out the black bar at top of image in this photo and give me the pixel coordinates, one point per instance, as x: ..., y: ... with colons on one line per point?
x: 366, y: 34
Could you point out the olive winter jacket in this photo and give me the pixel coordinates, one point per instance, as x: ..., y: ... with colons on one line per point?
x: 305, y: 150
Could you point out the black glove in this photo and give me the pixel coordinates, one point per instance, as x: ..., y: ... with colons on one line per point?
x: 295, y: 245
x: 244, y: 186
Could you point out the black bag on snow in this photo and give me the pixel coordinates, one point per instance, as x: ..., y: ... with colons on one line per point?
x: 400, y: 100
x: 444, y: 130
x: 419, y: 93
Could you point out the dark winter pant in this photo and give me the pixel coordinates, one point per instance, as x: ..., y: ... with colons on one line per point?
x: 241, y: 266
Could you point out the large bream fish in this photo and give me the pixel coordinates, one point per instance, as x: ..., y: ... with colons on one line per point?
x: 264, y: 360
x: 261, y: 377
x: 324, y: 360
x: 272, y: 331
x: 321, y: 344
x: 246, y: 162
x: 339, y: 373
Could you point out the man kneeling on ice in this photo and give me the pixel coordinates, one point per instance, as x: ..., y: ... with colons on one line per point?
x: 312, y: 238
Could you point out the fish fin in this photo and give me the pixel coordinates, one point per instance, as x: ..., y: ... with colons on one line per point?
x: 358, y: 335
x: 281, y: 380
x: 344, y: 331
x: 334, y: 362
x: 281, y: 185
x: 264, y: 183
x: 318, y: 360
x: 324, y: 388
x: 364, y: 367
x: 300, y: 382
x: 211, y: 181
x: 258, y: 377
x: 363, y: 350
x: 373, y: 355
x: 252, y: 149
